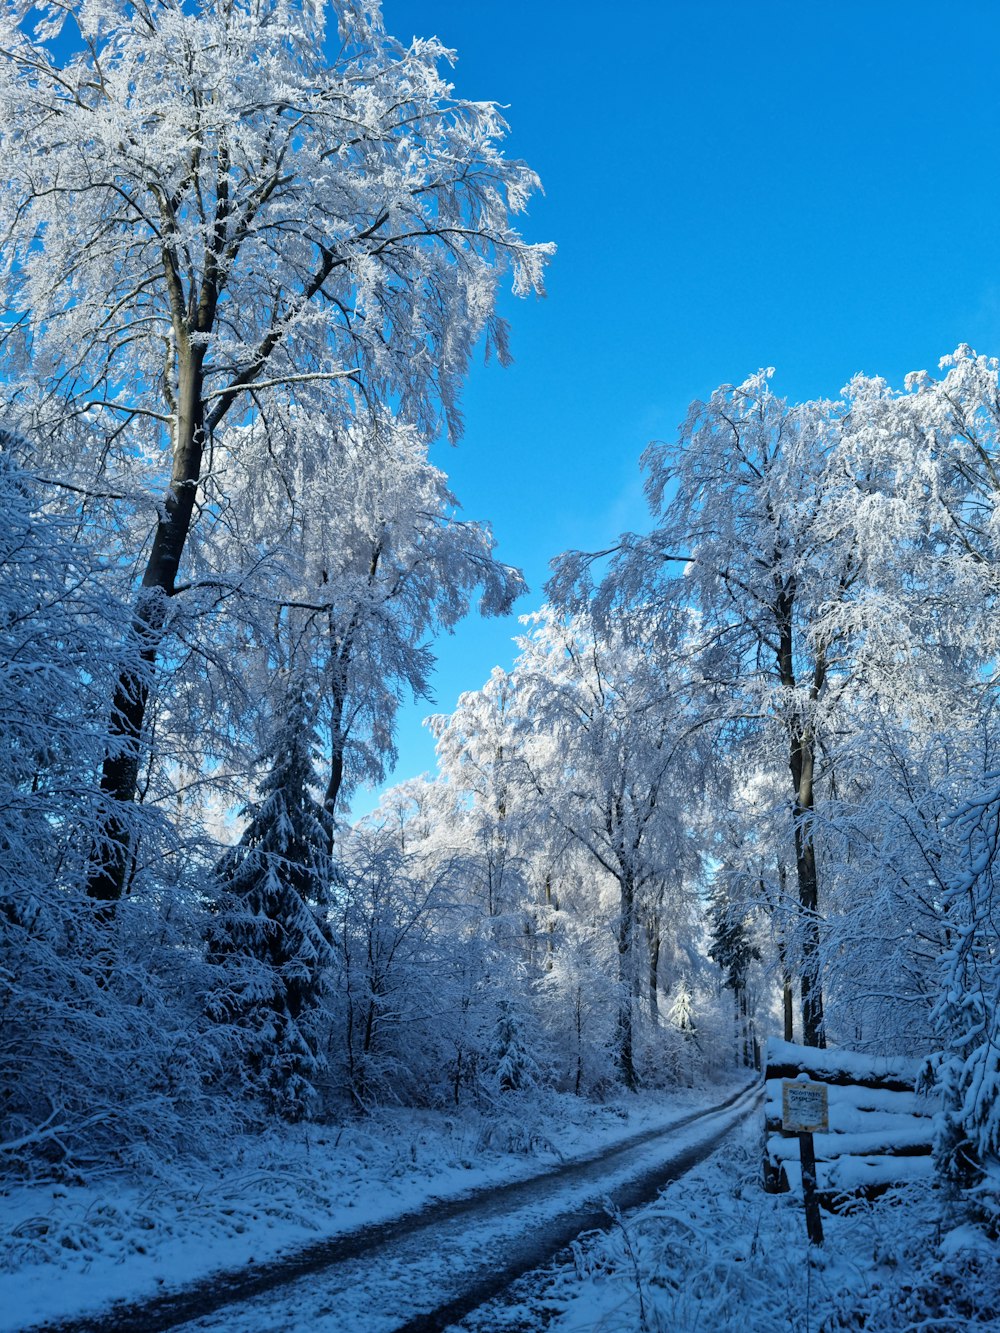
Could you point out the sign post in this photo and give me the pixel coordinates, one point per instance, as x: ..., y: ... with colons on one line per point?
x: 805, y: 1111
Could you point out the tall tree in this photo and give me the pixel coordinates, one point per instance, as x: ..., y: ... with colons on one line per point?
x: 768, y: 561
x: 478, y: 750
x: 610, y: 760
x: 755, y: 545
x: 206, y: 217
x: 353, y: 579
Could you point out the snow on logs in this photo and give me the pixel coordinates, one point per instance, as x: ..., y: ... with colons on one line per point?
x: 880, y: 1128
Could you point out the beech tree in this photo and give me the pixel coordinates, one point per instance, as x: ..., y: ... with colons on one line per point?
x: 353, y: 579
x: 769, y: 562
x: 478, y: 752
x: 754, y: 544
x: 609, y: 763
x: 205, y: 216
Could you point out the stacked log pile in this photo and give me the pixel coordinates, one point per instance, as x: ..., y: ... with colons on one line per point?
x: 880, y: 1126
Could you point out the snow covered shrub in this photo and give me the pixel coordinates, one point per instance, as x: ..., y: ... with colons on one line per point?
x: 57, y: 616
x: 715, y: 1253
x: 968, y: 1013
x: 577, y: 1003
x: 407, y: 1026
x: 99, y: 1054
x: 105, y: 1057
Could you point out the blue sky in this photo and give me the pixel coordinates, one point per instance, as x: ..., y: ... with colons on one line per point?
x: 806, y: 184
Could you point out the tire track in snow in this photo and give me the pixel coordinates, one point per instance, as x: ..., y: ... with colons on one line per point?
x: 524, y: 1258
x: 432, y: 1267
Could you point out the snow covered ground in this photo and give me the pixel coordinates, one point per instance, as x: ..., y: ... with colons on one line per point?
x: 717, y: 1255
x: 714, y: 1253
x: 452, y: 1259
x: 68, y: 1249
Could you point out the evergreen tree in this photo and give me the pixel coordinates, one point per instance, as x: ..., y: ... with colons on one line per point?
x: 735, y: 952
x: 512, y: 1064
x: 268, y: 934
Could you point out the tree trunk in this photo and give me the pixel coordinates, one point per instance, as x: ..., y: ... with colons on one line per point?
x: 741, y: 1027
x: 120, y: 771
x: 802, y: 760
x: 623, y: 1030
x: 801, y: 763
x: 552, y: 906
x: 338, y: 743
x: 341, y: 655
x: 578, y: 1081
x: 653, y: 940
x: 787, y: 991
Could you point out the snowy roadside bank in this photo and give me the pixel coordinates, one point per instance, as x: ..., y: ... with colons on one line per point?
x: 73, y: 1248
x: 716, y: 1252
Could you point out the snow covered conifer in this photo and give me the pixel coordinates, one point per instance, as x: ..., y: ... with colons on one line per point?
x: 512, y: 1064
x: 268, y: 934
x: 735, y: 952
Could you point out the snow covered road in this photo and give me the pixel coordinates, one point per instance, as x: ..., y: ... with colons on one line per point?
x: 425, y: 1271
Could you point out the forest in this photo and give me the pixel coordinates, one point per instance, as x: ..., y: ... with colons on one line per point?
x: 742, y: 779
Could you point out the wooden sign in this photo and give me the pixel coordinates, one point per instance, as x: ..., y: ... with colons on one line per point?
x: 805, y: 1111
x: 804, y: 1107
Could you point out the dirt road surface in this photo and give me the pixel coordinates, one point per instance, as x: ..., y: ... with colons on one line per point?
x: 422, y: 1272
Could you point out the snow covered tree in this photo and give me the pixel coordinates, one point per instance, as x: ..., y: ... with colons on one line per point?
x: 510, y: 1062
x: 609, y: 758
x: 268, y: 932
x: 755, y: 547
x: 350, y: 581
x: 478, y: 754
x: 768, y: 561
x: 734, y: 950
x: 207, y: 217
